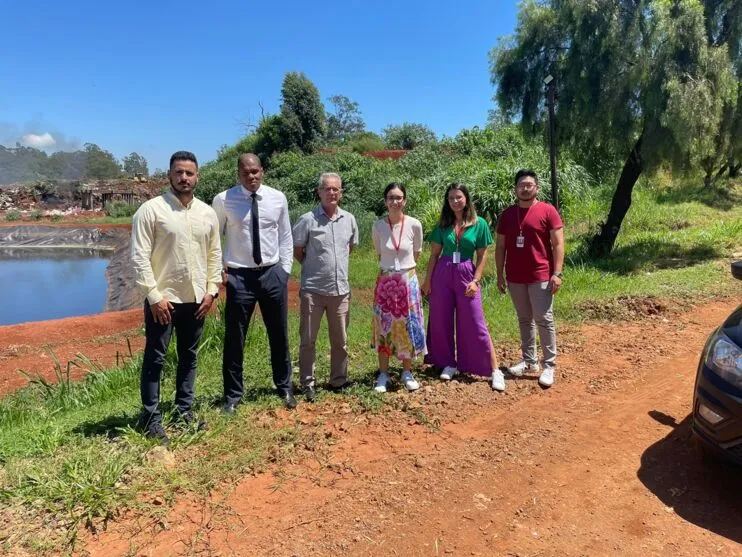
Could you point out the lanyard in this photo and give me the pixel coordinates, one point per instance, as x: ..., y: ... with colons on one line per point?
x: 459, y: 233
x: 401, y: 230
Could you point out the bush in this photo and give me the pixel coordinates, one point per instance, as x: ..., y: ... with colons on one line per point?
x: 120, y: 209
x: 486, y: 160
x: 36, y: 215
x: 12, y: 215
x: 56, y: 217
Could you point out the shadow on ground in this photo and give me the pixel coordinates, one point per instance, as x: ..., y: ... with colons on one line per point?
x: 650, y: 254
x: 700, y: 489
x: 722, y: 196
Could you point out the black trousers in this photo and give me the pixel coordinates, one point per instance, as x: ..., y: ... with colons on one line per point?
x: 188, y: 331
x: 267, y: 287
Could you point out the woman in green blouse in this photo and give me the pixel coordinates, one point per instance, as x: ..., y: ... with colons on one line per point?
x: 452, y: 284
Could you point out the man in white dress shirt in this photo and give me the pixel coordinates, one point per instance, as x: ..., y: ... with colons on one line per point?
x: 177, y: 257
x: 258, y: 253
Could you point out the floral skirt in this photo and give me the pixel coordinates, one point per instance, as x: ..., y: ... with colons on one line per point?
x: 398, y: 325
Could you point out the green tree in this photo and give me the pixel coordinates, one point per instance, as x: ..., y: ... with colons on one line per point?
x: 100, y: 164
x: 135, y: 164
x: 66, y: 165
x: 633, y: 77
x: 345, y: 120
x: 21, y: 164
x: 407, y: 136
x: 302, y: 123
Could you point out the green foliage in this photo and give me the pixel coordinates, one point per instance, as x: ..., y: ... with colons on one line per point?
x: 407, y: 136
x: 135, y: 164
x: 364, y: 142
x: 484, y: 159
x: 302, y: 113
x: 118, y: 209
x: 36, y: 215
x: 646, y: 82
x: 345, y: 121
x: 100, y: 164
x: 12, y: 215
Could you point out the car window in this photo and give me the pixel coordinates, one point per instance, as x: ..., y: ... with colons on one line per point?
x: 732, y: 327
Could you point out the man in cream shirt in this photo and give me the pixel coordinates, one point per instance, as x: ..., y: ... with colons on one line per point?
x: 176, y: 254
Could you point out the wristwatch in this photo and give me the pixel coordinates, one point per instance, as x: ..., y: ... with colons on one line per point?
x: 476, y: 281
x: 559, y: 274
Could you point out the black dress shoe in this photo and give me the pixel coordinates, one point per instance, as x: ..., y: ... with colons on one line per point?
x: 189, y: 420
x: 228, y: 408
x: 288, y: 400
x: 157, y: 432
x: 339, y: 388
x: 309, y: 393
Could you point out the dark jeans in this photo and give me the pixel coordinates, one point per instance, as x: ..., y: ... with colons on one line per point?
x: 188, y: 331
x: 268, y: 288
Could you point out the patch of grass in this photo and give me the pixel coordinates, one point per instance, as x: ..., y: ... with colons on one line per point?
x: 12, y: 215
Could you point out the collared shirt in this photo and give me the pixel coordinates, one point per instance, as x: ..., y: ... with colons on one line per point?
x: 326, y: 242
x: 176, y: 250
x: 234, y: 211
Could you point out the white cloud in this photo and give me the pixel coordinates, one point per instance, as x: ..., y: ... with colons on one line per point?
x: 38, y: 141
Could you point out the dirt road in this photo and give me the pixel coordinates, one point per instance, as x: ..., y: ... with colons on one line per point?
x: 601, y: 463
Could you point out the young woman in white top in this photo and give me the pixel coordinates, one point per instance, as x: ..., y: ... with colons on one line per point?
x: 398, y: 324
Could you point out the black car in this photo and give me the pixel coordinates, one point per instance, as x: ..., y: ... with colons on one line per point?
x: 717, y: 399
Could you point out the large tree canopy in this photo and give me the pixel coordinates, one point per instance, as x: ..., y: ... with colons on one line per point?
x: 302, y: 112
x: 650, y: 80
x: 346, y: 119
x: 135, y: 164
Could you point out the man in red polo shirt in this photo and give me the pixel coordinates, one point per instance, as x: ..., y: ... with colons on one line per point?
x: 530, y: 252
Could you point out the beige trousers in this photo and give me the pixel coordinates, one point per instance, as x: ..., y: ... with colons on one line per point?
x: 313, y: 306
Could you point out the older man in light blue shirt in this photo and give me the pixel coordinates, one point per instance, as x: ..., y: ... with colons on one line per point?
x: 323, y: 240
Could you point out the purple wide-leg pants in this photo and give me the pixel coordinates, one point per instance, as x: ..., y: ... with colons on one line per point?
x: 472, y: 350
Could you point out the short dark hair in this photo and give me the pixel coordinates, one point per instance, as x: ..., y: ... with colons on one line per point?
x: 523, y: 172
x: 243, y: 159
x: 183, y: 156
x: 395, y: 186
x: 448, y: 217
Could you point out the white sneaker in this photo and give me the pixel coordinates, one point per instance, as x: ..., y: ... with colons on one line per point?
x: 498, y: 380
x: 381, y: 382
x: 409, y: 381
x: 521, y: 367
x: 448, y: 373
x: 546, y: 379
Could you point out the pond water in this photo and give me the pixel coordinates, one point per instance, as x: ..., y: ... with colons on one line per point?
x: 37, y: 288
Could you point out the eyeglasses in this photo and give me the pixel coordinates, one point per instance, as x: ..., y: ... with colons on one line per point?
x: 332, y: 190
x: 395, y: 198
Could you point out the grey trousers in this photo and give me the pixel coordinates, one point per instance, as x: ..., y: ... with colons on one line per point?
x: 533, y: 304
x: 313, y: 306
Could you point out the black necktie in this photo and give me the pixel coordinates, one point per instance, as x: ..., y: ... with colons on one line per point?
x: 256, y: 255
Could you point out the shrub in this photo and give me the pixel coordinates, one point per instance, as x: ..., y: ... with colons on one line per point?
x: 36, y: 215
x: 12, y: 215
x: 119, y: 209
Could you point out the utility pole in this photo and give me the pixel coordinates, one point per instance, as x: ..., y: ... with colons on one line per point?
x: 550, y: 99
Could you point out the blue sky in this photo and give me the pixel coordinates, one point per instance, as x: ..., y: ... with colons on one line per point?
x: 156, y: 77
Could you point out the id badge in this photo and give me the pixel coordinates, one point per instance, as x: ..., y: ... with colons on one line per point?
x: 520, y: 241
x: 457, y: 257
x: 396, y: 263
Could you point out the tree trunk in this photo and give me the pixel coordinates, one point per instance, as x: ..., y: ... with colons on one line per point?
x: 602, y: 243
x: 734, y: 167
x: 719, y: 174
